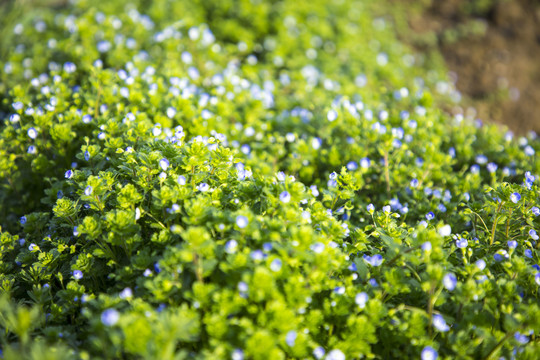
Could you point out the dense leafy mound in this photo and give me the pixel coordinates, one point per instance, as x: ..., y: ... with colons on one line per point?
x: 253, y: 180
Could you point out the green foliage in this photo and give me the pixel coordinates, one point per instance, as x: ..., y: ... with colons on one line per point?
x: 196, y: 183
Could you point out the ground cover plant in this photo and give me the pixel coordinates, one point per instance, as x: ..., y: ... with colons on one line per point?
x: 253, y: 180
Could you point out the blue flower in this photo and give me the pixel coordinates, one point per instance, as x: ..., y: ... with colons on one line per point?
x: 535, y: 210
x: 426, y: 246
x: 386, y: 209
x: 532, y: 233
x: 237, y: 354
x: 275, y: 265
x: 68, y: 174
x: 352, y: 165
x: 86, y: 155
x: 375, y: 260
x: 285, y: 197
x: 77, y: 274
x: 439, y: 323
x: 491, y: 167
x: 331, y: 115
x: 512, y: 244
x: 515, y: 197
x: 290, y: 338
x: 462, y: 243
x: 414, y: 183
x: 110, y: 317
x: 88, y: 191
x: 520, y: 338
x: 480, y: 264
x: 32, y: 133
x: 317, y: 248
x: 537, y: 278
x: 164, y: 164
x: 430, y: 216
x: 127, y: 293
x: 361, y: 299
x: 370, y: 208
x: 242, y: 221
x: 335, y: 354
x: 22, y: 220
x: 450, y: 281
x: 445, y: 230
x: 32, y: 247
x: 318, y: 352
x: 528, y: 253
x: 203, y: 187
x: 181, y: 180
x: 429, y: 353
x: 365, y: 163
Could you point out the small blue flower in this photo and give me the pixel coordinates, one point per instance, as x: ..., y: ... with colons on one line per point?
x: 164, y: 164
x: 290, y: 338
x: 512, y: 244
x: 520, y: 338
x: 491, y: 167
x: 462, y: 243
x: 528, y: 253
x: 32, y: 133
x: 257, y: 255
x: 285, y: 197
x: 532, y: 233
x: 32, y: 247
x: 414, y: 183
x: 450, y: 281
x: 68, y: 174
x: 110, y: 317
x: 371, y: 208
x: 275, y: 265
x: 22, y: 220
x: 387, y: 209
x: 319, y: 352
x: 361, y: 299
x: 88, y: 191
x: 365, y: 163
x: 430, y: 216
x: 242, y: 221
x: 426, y: 246
x: 127, y: 293
x: 535, y: 210
x: 86, y: 155
x: 181, y: 180
x: 352, y: 165
x: 237, y: 354
x: 203, y: 187
x: 480, y: 264
x: 335, y: 354
x: 331, y: 115
x: 429, y: 353
x: 375, y: 260
x: 147, y: 273
x: 77, y: 274
x: 439, y: 323
x: 537, y: 278
x: 515, y: 197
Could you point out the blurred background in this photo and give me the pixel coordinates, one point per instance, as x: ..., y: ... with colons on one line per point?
x: 491, y: 48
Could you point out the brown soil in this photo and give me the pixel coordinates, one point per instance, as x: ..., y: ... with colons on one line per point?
x: 500, y: 69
